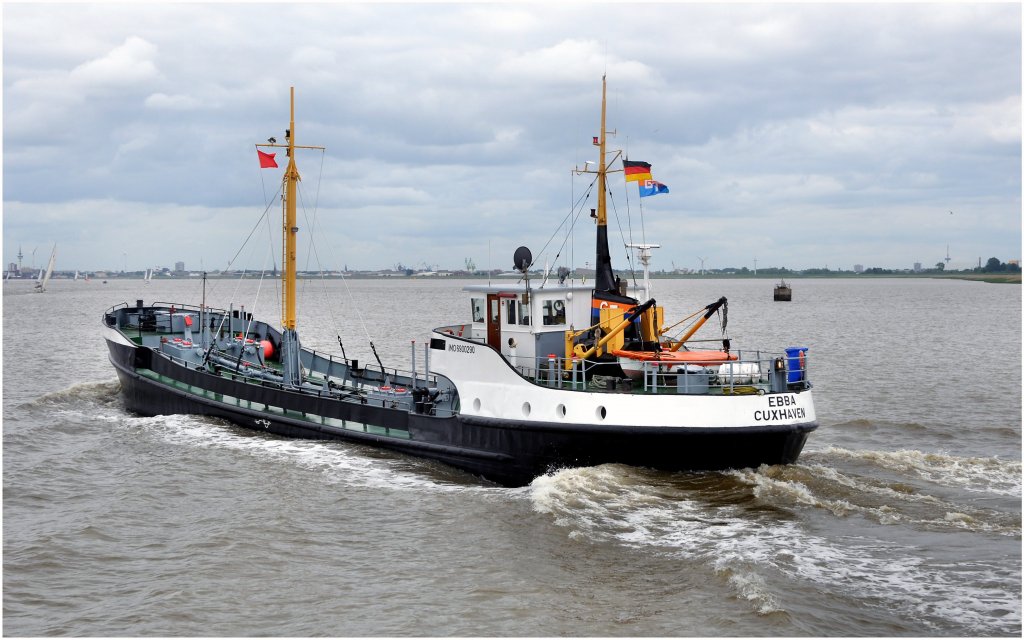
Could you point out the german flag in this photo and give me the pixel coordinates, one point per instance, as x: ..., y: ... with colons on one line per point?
x: 636, y: 170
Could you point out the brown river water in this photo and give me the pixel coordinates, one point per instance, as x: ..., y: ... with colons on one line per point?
x: 902, y: 517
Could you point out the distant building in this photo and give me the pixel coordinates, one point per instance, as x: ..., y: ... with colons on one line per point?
x: 917, y: 267
x: 858, y: 268
x: 179, y: 266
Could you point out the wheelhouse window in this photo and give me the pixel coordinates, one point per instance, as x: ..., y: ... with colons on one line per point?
x: 554, y: 312
x: 478, y: 309
x: 510, y: 311
x: 524, y: 314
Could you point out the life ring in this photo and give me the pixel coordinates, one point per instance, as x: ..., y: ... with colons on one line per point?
x: 803, y: 365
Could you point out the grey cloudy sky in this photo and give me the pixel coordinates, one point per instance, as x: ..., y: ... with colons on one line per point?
x: 802, y: 135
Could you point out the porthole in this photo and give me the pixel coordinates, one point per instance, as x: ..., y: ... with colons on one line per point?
x: 601, y: 413
x: 526, y: 409
x: 561, y: 410
x: 476, y: 405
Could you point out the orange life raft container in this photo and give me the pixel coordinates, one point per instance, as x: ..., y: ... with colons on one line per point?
x: 632, y: 361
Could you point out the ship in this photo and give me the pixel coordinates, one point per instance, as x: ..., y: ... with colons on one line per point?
x: 783, y: 292
x: 540, y: 376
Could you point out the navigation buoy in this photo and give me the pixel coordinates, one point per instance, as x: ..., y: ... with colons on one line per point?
x: 268, y: 349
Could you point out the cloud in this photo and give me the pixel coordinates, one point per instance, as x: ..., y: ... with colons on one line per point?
x: 124, y: 66
x: 174, y: 103
x: 795, y: 127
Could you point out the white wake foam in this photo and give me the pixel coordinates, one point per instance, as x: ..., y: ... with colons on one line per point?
x: 747, y: 546
x: 338, y: 462
x: 980, y: 474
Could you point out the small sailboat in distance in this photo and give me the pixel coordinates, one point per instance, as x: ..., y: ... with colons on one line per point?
x: 148, y: 276
x: 44, y: 277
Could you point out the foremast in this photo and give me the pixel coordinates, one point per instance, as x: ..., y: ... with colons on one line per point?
x: 290, y: 363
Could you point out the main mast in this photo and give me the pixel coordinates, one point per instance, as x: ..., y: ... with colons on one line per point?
x: 604, y: 277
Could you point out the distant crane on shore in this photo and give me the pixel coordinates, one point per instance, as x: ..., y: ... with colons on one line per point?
x: 702, y: 271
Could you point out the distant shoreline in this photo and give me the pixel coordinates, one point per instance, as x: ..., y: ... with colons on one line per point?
x: 995, y: 278
x: 1000, y: 278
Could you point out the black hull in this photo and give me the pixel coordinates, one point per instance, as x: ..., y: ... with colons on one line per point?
x: 504, y: 451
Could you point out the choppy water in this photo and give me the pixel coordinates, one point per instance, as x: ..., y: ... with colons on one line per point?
x: 902, y: 518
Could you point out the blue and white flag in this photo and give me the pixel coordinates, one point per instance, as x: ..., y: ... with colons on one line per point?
x: 651, y: 188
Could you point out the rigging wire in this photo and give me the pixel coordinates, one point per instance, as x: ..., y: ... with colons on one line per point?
x: 568, y: 217
x: 629, y: 258
x: 270, y: 257
x: 270, y: 242
x: 252, y: 231
x: 332, y: 259
x: 213, y: 287
x: 569, y: 233
x: 629, y: 210
x: 313, y: 253
x: 572, y: 227
x: 252, y: 313
x: 629, y: 225
x: 234, y: 295
x: 263, y: 183
x: 643, y: 227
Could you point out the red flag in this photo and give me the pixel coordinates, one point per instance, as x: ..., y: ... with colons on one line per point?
x: 267, y: 160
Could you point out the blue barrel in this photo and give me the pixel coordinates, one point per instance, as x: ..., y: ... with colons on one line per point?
x: 793, y: 358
